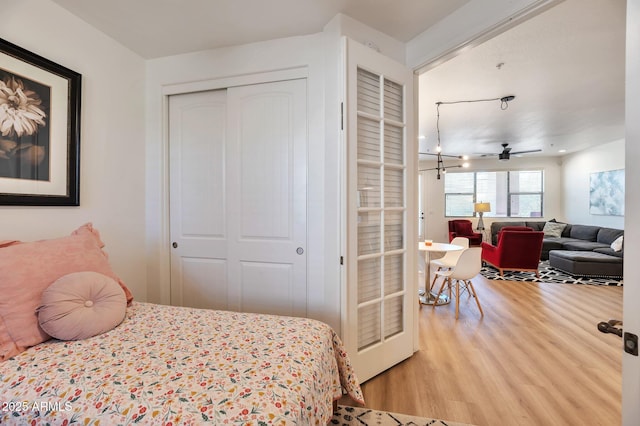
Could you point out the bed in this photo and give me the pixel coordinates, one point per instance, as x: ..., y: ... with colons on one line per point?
x: 156, y: 364
x: 171, y: 365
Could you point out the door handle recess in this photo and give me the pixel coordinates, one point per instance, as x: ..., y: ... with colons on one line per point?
x: 299, y: 250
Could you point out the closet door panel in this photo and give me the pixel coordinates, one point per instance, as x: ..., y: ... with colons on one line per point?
x: 267, y: 141
x: 198, y: 223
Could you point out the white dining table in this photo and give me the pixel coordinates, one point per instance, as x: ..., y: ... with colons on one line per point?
x: 428, y: 297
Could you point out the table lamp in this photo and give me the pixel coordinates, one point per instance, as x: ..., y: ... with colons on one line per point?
x: 481, y: 208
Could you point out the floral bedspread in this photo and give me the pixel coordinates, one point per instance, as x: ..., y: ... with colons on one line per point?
x: 181, y: 366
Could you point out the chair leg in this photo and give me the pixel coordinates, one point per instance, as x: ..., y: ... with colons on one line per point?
x: 475, y: 296
x: 435, y: 277
x: 444, y: 281
x: 457, y: 298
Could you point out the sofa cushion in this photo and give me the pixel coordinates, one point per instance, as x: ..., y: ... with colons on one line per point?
x: 587, y: 263
x: 609, y: 235
x: 580, y: 245
x: 553, y: 229
x: 537, y: 225
x: 553, y: 243
x: 609, y: 251
x: 584, y: 232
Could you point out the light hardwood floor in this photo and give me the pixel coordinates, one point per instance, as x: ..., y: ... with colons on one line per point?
x: 536, y: 358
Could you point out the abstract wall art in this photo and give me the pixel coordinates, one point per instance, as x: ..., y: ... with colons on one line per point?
x: 606, y: 193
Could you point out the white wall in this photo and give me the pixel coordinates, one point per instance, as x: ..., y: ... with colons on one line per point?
x: 343, y: 25
x: 435, y: 220
x: 112, y: 136
x: 576, y: 171
x: 233, y: 64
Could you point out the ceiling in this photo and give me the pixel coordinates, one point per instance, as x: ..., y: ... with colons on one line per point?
x: 156, y: 28
x: 565, y: 66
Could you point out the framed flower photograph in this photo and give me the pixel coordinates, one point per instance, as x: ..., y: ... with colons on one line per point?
x: 39, y: 130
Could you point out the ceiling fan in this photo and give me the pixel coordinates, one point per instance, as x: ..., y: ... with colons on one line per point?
x: 506, y: 152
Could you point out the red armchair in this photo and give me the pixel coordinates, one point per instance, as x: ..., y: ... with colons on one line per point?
x: 516, y: 251
x: 464, y: 228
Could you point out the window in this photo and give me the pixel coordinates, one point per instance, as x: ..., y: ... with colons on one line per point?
x: 511, y: 193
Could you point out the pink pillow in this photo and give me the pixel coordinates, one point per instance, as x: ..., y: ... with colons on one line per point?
x: 81, y: 305
x: 26, y: 269
x: 463, y: 228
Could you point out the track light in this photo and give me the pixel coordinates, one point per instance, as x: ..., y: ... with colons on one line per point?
x: 504, y: 104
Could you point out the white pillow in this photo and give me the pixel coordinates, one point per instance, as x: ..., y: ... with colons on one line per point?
x: 617, y: 244
x: 553, y: 229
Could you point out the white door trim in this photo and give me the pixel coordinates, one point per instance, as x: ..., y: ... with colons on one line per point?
x: 237, y: 80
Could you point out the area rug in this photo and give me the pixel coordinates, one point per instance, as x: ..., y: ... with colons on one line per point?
x: 547, y: 275
x: 351, y: 416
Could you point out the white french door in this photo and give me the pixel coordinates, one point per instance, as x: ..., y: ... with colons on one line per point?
x: 381, y: 212
x: 238, y: 196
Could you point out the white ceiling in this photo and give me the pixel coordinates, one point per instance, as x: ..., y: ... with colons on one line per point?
x: 565, y: 66
x: 155, y: 28
x: 566, y: 70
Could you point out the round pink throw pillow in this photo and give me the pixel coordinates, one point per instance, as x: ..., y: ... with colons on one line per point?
x: 81, y: 305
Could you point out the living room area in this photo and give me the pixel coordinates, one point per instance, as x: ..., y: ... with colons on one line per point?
x: 549, y: 100
x: 536, y: 356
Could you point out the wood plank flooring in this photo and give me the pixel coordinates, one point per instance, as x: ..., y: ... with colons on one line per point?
x: 536, y: 358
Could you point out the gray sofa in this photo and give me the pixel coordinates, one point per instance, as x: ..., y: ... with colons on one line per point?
x: 581, y: 250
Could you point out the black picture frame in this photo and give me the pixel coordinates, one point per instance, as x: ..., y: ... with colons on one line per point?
x: 39, y: 130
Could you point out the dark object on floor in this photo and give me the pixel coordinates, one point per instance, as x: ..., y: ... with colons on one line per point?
x: 610, y: 327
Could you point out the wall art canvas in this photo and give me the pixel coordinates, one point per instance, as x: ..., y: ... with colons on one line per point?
x: 606, y: 193
x: 39, y: 130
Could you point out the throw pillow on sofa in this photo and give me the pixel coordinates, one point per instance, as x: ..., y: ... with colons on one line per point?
x: 617, y: 244
x: 553, y: 229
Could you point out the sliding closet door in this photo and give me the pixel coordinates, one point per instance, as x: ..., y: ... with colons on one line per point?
x: 198, y: 212
x: 381, y: 213
x: 267, y: 197
x: 238, y: 194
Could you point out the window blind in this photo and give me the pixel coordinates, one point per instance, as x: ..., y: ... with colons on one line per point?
x: 381, y: 208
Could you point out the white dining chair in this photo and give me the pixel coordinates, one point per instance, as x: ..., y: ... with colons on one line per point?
x: 450, y: 258
x: 468, y: 266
